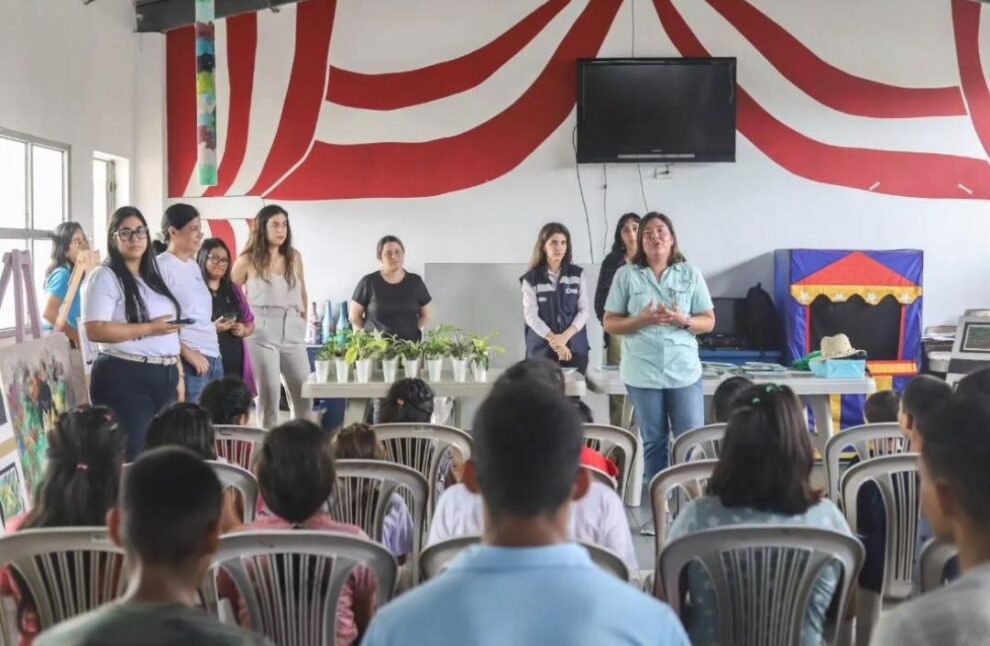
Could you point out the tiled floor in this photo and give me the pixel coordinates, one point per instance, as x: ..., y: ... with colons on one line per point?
x: 642, y: 518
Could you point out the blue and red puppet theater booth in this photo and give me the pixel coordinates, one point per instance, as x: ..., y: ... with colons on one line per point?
x: 874, y: 297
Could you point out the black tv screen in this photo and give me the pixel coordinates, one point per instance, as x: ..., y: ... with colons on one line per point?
x: 656, y: 109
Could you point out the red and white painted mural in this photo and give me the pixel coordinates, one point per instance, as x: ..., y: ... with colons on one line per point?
x: 320, y: 130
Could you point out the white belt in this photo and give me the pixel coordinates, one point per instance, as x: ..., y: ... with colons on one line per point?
x: 140, y: 358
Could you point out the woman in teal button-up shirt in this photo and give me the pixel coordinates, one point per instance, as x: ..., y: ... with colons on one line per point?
x: 659, y: 303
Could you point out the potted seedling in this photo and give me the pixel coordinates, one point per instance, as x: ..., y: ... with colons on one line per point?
x: 361, y: 352
x: 460, y: 351
x: 481, y: 355
x: 324, y: 361
x: 436, y: 346
x: 389, y: 353
x: 411, y: 353
x: 336, y: 350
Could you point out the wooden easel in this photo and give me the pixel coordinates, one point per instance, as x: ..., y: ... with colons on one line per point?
x: 86, y: 261
x: 17, y: 265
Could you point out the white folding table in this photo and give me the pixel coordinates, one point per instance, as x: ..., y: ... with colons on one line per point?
x: 358, y: 395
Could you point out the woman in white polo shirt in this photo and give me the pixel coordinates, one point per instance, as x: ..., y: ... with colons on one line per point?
x: 130, y: 313
x: 201, y: 361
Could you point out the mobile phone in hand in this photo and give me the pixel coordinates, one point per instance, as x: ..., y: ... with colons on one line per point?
x: 180, y: 322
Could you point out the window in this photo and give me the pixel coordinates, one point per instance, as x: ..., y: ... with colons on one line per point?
x: 104, y: 200
x: 34, y: 190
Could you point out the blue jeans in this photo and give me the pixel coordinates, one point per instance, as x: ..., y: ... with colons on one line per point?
x: 196, y: 383
x: 135, y: 392
x: 659, y: 411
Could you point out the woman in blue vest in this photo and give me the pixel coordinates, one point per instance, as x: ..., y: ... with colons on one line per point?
x: 555, y: 301
x: 659, y: 304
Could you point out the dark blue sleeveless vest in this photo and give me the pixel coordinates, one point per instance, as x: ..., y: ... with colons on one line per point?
x: 558, y: 307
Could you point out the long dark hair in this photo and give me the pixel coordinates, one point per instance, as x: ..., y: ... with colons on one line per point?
x: 539, y: 257
x: 767, y: 456
x: 61, y: 243
x: 295, y: 470
x: 203, y: 257
x: 618, y: 246
x: 134, y: 305
x: 85, y: 451
x: 183, y: 424
x: 260, y: 253
x: 675, y: 252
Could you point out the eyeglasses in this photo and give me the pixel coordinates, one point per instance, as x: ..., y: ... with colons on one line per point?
x: 80, y: 244
x: 217, y: 260
x: 140, y: 233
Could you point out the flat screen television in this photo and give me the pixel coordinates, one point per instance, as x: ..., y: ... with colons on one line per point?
x: 656, y: 109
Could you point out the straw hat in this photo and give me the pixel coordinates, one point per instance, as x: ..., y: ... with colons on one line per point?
x: 837, y: 347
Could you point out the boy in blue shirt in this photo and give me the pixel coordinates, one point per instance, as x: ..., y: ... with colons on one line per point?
x: 525, y: 584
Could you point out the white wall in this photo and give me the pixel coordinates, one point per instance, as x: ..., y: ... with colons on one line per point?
x: 729, y: 217
x: 68, y: 73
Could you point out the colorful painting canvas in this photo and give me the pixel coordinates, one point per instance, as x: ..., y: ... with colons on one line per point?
x: 11, y: 502
x: 39, y: 383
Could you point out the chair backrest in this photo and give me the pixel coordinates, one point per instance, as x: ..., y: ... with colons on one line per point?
x: 686, y: 479
x: 869, y: 441
x: 242, y: 481
x: 705, y: 440
x: 607, y: 439
x: 365, y: 493
x: 423, y: 447
x: 935, y: 556
x: 608, y: 560
x: 762, y: 577
x: 600, y: 476
x: 896, y: 477
x: 436, y: 558
x: 238, y: 444
x: 290, y: 580
x: 67, y: 570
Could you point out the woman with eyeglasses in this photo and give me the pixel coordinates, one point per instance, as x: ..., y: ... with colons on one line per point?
x: 231, y: 312
x: 183, y: 233
x: 68, y: 241
x: 133, y: 317
x: 271, y: 272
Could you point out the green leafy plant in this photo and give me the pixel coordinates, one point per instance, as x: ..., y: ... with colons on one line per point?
x: 460, y: 346
x: 365, y: 345
x: 334, y: 348
x: 388, y: 346
x: 482, y: 349
x: 437, y: 342
x: 410, y: 350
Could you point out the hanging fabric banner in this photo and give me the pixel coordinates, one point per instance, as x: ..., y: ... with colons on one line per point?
x: 206, y: 97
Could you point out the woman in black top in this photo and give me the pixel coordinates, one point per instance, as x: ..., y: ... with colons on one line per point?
x: 233, y: 317
x: 391, y: 300
x: 623, y: 249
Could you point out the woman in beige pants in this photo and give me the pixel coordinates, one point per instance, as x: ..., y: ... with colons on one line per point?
x: 271, y: 272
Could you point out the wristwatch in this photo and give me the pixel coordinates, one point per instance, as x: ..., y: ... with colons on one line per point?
x: 687, y: 323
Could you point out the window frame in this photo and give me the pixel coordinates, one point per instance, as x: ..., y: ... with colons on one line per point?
x: 28, y: 232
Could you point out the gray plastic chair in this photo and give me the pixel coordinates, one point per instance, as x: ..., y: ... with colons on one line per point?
x: 896, y: 476
x: 607, y: 438
x: 365, y: 489
x: 684, y: 479
x: 238, y: 444
x: 757, y: 604
x: 67, y: 570
x: 935, y: 556
x: 600, y: 476
x: 869, y: 441
x: 436, y: 558
x: 423, y: 447
x: 242, y: 481
x: 290, y: 581
x: 705, y: 439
